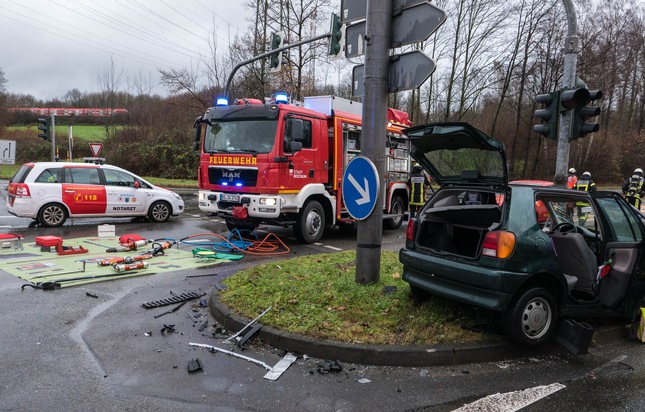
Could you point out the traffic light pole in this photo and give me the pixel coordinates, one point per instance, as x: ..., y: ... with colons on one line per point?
x: 568, y: 81
x: 267, y: 54
x: 376, y: 78
x: 53, y: 137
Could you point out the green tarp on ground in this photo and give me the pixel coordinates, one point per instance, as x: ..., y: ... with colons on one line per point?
x: 38, y: 265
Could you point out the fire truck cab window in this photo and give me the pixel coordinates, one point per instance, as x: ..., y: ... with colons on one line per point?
x: 306, y: 135
x: 241, y: 136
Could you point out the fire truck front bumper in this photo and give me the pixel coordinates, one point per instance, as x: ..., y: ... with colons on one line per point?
x: 258, y: 206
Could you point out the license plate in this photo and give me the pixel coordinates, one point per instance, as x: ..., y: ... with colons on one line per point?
x: 226, y: 197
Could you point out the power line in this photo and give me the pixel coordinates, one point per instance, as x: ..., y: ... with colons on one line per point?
x: 164, y: 19
x: 74, y: 39
x: 134, y: 30
x: 165, y: 46
x: 214, y: 31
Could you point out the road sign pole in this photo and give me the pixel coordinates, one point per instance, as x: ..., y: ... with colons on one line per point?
x: 377, y: 62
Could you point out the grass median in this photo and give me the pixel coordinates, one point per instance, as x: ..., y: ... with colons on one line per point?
x: 318, y: 296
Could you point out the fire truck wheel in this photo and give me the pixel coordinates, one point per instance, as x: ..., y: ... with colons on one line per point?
x: 397, y: 208
x: 311, y: 223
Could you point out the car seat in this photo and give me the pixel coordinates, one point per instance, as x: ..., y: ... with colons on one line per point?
x: 473, y: 198
x: 576, y: 259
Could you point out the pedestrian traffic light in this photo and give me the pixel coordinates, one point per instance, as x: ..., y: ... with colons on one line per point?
x: 277, y: 41
x: 44, y: 128
x: 335, y: 41
x: 582, y: 113
x: 549, y: 114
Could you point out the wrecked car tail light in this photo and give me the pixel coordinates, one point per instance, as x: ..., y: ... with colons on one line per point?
x: 498, y: 244
x: 410, y: 233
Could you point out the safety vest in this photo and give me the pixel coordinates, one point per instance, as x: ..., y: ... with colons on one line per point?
x: 571, y: 181
x: 418, y: 189
x: 635, y: 188
x: 586, y: 186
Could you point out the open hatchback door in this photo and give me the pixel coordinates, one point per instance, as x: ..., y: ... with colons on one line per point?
x: 457, y: 154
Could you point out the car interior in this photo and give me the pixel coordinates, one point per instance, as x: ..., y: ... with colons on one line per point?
x: 582, y: 249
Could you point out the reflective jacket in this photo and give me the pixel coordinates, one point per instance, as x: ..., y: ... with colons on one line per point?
x: 633, y: 187
x: 587, y: 185
x: 418, y: 183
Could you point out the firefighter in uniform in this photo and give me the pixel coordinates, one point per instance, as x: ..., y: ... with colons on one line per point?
x: 633, y: 188
x: 586, y: 184
x: 417, y: 183
x: 572, y: 179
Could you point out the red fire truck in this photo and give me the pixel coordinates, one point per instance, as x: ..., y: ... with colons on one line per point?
x: 282, y: 164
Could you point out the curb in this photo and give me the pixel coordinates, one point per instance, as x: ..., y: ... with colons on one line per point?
x: 379, y: 355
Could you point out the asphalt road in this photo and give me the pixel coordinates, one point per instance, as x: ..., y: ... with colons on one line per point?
x: 66, y: 350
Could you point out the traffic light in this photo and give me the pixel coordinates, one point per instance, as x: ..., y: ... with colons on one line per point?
x: 572, y: 98
x: 582, y: 113
x: 277, y: 41
x: 335, y: 42
x: 44, y: 128
x: 549, y: 115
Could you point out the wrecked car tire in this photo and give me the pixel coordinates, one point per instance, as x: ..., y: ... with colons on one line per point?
x: 532, y: 317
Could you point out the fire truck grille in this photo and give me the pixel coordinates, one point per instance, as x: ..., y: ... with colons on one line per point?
x: 227, y: 205
x: 232, y: 177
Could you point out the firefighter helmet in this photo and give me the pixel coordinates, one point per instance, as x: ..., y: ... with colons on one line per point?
x: 586, y: 175
x: 638, y: 170
x: 417, y: 168
x: 572, y: 171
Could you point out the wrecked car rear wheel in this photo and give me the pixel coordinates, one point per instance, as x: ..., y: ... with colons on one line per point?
x: 531, y: 318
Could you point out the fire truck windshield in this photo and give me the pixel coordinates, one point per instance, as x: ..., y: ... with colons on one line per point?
x: 241, y: 136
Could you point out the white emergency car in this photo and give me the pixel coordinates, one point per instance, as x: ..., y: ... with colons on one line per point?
x: 50, y: 192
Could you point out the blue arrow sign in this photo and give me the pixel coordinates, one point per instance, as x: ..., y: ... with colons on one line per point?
x: 360, y: 187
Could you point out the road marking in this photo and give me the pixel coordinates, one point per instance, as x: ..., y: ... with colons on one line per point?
x: 328, y: 247
x: 511, y: 401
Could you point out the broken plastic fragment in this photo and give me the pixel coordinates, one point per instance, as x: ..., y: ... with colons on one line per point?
x: 194, y: 365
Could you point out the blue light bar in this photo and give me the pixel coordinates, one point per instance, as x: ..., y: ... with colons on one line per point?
x: 238, y: 184
x: 282, y: 98
x: 224, y: 183
x: 221, y: 101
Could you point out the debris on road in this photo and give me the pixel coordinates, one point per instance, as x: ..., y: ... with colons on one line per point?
x: 330, y: 366
x: 280, y: 367
x: 194, y: 365
x: 237, y: 355
x: 249, y: 324
x: 175, y: 299
x: 249, y: 335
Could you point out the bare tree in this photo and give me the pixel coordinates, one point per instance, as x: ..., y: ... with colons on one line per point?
x: 3, y: 100
x: 109, y: 81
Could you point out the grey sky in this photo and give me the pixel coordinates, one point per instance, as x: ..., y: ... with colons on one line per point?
x: 48, y: 47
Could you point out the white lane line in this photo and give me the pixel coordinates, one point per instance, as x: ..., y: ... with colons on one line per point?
x: 511, y: 401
